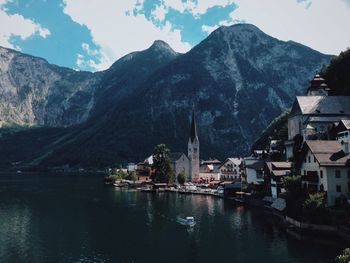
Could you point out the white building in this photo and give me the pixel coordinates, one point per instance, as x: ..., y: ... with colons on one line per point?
x: 254, y: 170
x: 231, y: 169
x: 313, y: 116
x: 275, y: 171
x: 325, y: 167
x: 209, y: 171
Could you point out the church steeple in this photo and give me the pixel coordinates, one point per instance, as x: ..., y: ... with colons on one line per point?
x: 193, y: 149
x: 318, y: 87
x: 193, y: 134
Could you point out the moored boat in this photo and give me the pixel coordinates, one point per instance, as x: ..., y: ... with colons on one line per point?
x: 187, y: 221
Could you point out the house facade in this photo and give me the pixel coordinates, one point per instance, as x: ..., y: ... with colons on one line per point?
x: 209, y: 171
x: 254, y: 170
x: 231, y: 169
x: 325, y: 167
x: 274, y: 174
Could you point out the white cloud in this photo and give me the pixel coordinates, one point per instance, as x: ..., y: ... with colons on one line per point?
x: 159, y: 12
x: 209, y: 29
x: 323, y: 25
x: 17, y: 25
x: 118, y: 33
x: 197, y: 7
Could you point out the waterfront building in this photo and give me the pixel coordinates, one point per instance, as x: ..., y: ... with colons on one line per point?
x: 193, y: 150
x: 144, y: 169
x: 325, y: 167
x: 313, y: 116
x: 254, y: 170
x: 274, y: 173
x: 231, y: 169
x: 209, y: 171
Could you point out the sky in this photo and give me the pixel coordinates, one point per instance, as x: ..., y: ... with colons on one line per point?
x: 92, y: 34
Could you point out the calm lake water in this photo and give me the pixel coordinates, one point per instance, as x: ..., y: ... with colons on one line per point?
x: 79, y: 219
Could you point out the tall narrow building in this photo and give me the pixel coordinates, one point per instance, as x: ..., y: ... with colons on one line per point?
x: 193, y: 150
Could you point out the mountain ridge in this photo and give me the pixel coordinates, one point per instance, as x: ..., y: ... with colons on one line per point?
x: 146, y: 99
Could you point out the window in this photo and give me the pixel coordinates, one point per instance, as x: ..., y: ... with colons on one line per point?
x: 321, y: 174
x: 309, y: 159
x: 321, y: 187
x: 338, y: 188
x: 337, y: 173
x: 314, y: 159
x: 304, y: 172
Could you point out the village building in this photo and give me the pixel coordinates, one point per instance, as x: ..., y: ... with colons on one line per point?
x: 180, y: 163
x: 314, y: 115
x: 144, y: 169
x: 209, y: 171
x: 193, y: 150
x: 131, y: 167
x: 254, y: 170
x: 274, y: 173
x: 325, y: 167
x: 343, y: 130
x: 231, y: 169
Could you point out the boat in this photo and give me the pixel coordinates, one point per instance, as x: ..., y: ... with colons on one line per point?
x: 187, y: 221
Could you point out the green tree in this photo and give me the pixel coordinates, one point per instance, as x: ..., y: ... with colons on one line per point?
x: 294, y: 196
x: 293, y: 185
x: 315, y: 201
x: 344, y: 257
x: 181, y: 178
x: 162, y: 166
x: 314, y: 209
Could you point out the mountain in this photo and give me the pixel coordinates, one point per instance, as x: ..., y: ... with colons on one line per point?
x: 126, y: 74
x: 238, y: 78
x: 36, y: 93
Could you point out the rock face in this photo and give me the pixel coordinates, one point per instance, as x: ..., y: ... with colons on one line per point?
x: 34, y: 92
x: 238, y: 78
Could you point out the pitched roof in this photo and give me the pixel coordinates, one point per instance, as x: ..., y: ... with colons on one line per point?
x: 256, y: 165
x: 346, y: 124
x: 174, y: 156
x: 279, y: 168
x: 211, y: 161
x: 328, y: 153
x: 235, y: 160
x: 323, y: 104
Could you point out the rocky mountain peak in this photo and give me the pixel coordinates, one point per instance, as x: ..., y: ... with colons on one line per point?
x: 162, y: 48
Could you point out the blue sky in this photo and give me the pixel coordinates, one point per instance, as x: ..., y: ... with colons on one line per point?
x: 92, y: 34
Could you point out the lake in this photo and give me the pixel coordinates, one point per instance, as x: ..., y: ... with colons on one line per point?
x: 54, y: 218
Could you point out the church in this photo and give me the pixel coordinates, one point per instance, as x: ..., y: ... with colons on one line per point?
x: 193, y: 150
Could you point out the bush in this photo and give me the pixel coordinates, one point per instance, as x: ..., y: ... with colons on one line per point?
x: 314, y: 202
x: 314, y: 210
x: 181, y: 178
x: 344, y: 257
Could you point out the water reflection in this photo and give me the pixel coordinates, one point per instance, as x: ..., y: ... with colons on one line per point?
x: 78, y: 219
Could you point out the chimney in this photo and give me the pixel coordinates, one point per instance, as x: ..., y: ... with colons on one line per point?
x: 345, y: 147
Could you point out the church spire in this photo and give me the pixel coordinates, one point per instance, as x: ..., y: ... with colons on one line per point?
x: 193, y: 134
